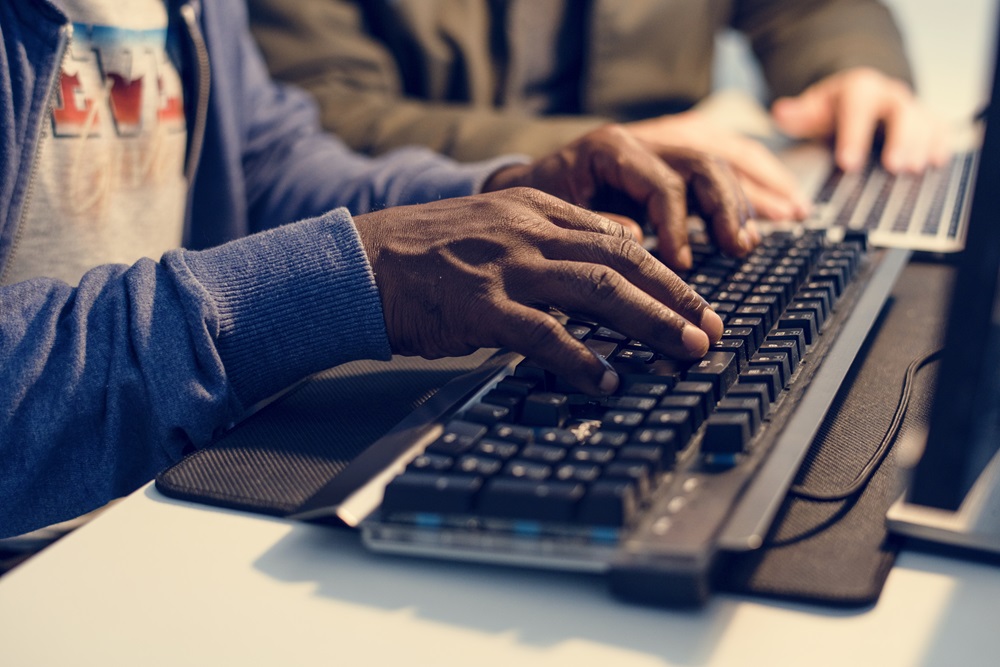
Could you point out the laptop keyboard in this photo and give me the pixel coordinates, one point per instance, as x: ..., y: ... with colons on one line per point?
x: 925, y: 211
x: 530, y: 467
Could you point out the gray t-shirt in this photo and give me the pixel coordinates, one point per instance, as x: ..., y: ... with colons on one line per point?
x: 108, y: 183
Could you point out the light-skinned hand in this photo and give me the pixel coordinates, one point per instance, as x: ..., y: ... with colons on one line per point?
x: 852, y: 106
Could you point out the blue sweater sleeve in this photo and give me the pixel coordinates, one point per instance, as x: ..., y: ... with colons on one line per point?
x: 107, y: 383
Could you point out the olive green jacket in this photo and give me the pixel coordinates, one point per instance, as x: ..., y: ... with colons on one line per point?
x: 395, y: 72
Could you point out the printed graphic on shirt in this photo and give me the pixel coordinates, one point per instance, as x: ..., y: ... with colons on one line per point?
x: 130, y: 64
x: 109, y: 183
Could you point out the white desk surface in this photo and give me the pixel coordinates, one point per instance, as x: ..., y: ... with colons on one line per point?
x: 158, y: 582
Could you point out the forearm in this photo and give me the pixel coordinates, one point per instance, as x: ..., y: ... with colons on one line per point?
x: 109, y: 382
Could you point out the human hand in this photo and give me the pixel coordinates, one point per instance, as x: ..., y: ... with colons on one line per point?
x: 659, y: 179
x: 460, y: 274
x: 769, y: 186
x: 852, y: 106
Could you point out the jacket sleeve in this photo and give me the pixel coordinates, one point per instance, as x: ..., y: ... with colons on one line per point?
x: 109, y: 382
x: 799, y: 43
x: 325, y: 47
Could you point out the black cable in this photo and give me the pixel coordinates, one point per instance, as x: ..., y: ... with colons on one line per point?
x: 879, y: 455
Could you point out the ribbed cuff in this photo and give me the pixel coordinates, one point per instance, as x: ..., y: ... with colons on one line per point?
x: 290, y: 302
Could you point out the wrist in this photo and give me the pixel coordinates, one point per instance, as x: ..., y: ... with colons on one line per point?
x: 509, y: 176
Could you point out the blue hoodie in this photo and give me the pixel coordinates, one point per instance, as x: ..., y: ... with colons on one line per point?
x: 106, y: 383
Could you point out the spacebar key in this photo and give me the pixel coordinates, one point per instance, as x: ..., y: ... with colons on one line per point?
x: 512, y: 498
x: 426, y: 492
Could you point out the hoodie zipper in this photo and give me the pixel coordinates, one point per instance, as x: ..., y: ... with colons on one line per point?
x: 65, y: 37
x: 203, y: 85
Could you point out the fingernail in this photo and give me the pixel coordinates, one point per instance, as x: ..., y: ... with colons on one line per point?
x: 711, y: 324
x: 743, y: 238
x: 684, y: 257
x: 849, y: 160
x: 893, y: 162
x: 609, y: 381
x: 695, y: 340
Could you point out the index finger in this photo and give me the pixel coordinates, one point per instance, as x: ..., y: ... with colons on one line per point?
x: 623, y: 163
x: 858, y: 113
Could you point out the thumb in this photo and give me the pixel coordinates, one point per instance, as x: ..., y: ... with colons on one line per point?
x: 806, y: 116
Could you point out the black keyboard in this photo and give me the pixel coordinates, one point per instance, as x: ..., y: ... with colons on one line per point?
x: 525, y: 470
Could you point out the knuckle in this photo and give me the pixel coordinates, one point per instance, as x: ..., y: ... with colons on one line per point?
x: 542, y: 332
x: 634, y: 254
x: 602, y: 283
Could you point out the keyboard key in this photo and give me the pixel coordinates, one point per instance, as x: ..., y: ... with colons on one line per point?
x: 643, y: 403
x: 557, y: 436
x: 508, y: 498
x: 749, y: 405
x: 510, y: 401
x: 543, y: 453
x: 788, y: 348
x: 458, y: 438
x: 765, y: 375
x: 632, y: 355
x: 800, y: 320
x: 638, y: 472
x: 592, y: 454
x: 622, y: 419
x: 529, y: 371
x: 820, y: 296
x: 609, y: 503
x: 755, y: 391
x: 794, y: 340
x: 579, y: 330
x: 703, y: 390
x: 726, y: 433
x: 513, y: 433
x: 658, y: 457
x: 777, y: 360
x: 497, y: 448
x: 653, y: 389
x: 744, y: 334
x: 545, y: 409
x: 676, y: 420
x: 756, y: 326
x: 605, y: 438
x: 486, y: 413
x: 604, y: 333
x: 719, y: 368
x: 420, y: 491
x: 804, y: 306
x: 605, y: 349
x: 734, y: 345
x: 431, y: 462
x: 518, y: 386
x: 524, y: 469
x: 761, y: 312
x: 484, y: 466
x: 693, y: 404
x: 578, y: 472
x: 661, y: 371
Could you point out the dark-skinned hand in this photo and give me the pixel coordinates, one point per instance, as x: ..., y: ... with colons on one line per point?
x: 460, y: 274
x: 659, y: 179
